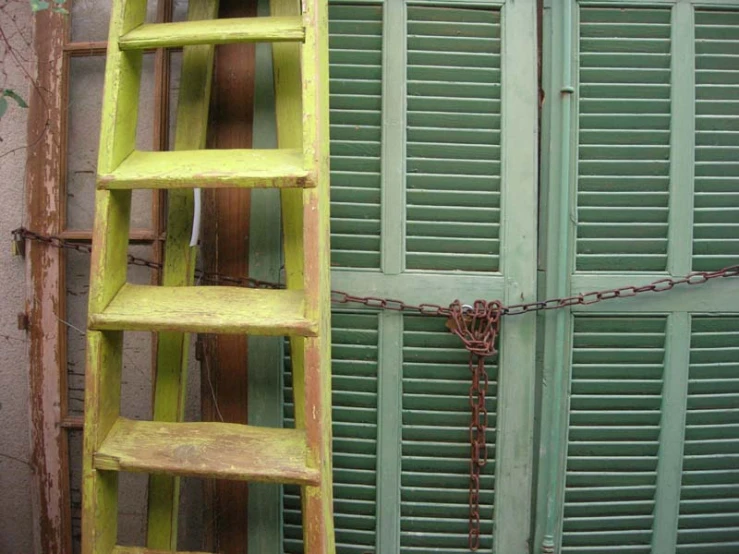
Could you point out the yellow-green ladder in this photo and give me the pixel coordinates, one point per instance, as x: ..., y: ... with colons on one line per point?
x: 167, y: 448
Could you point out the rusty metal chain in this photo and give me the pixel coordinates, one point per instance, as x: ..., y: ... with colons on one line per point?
x: 427, y: 309
x: 477, y: 325
x: 21, y: 234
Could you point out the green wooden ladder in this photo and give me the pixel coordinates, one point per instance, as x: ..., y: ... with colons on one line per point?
x: 167, y: 448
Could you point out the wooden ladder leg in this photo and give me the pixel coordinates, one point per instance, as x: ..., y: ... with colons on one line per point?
x: 318, y: 525
x: 179, y: 266
x: 317, y: 501
x: 100, y: 488
x: 107, y: 275
x: 301, y: 82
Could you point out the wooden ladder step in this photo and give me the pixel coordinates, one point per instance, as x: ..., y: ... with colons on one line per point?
x: 276, y: 168
x: 207, y: 450
x: 142, y: 550
x: 213, y: 31
x: 224, y: 310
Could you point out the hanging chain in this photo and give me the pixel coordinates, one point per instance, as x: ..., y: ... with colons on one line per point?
x: 477, y: 325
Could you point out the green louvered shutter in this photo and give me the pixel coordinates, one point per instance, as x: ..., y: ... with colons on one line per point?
x: 435, y: 443
x: 716, y: 220
x: 624, y: 139
x: 453, y: 139
x: 640, y: 403
x: 709, y: 491
x: 452, y: 223
x: 430, y: 190
x: 355, y: 70
x: 614, y: 425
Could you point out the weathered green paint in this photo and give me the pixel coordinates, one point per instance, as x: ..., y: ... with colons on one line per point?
x: 389, y: 431
x: 107, y: 275
x: 318, y: 525
x: 206, y: 310
x: 682, y: 152
x: 102, y: 401
x: 399, y: 521
x: 418, y: 287
x: 208, y: 169
x: 650, y: 496
x: 674, y: 405
x: 179, y: 267
x: 559, y: 324
x: 206, y: 450
x: 221, y: 31
x: 108, y: 266
x: 515, y: 424
x: 394, y: 37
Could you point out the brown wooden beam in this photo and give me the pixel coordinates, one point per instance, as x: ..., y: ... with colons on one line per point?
x: 45, y: 291
x: 225, y: 249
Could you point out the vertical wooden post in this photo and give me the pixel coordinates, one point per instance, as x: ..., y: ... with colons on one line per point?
x: 225, y: 249
x: 44, y: 280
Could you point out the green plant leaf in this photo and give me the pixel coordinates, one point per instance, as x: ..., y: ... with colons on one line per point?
x: 3, y: 106
x: 15, y: 96
x: 38, y: 5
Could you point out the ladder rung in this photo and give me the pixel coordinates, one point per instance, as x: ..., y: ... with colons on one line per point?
x: 214, y: 31
x: 209, y: 169
x: 207, y: 450
x: 206, y: 310
x: 142, y: 550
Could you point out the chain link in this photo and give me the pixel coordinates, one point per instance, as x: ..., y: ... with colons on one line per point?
x: 477, y: 326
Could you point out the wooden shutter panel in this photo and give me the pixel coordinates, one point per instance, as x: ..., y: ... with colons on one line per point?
x: 453, y: 139
x: 424, y: 222
x: 709, y: 492
x: 640, y: 397
x: 624, y: 139
x: 716, y: 219
x: 355, y: 59
x: 435, y: 443
x: 614, y: 426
